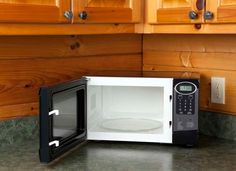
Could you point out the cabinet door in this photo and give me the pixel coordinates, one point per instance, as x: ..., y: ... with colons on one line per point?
x: 221, y: 11
x: 34, y: 11
x: 174, y: 11
x: 63, y: 123
x: 107, y: 11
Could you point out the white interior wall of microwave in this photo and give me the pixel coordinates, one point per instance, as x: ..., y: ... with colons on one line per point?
x: 110, y: 102
x: 127, y: 111
x: 133, y: 102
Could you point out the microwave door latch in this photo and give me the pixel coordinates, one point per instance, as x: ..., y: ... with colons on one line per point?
x: 54, y: 112
x: 56, y: 143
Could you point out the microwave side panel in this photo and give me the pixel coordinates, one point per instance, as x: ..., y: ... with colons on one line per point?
x: 98, y: 105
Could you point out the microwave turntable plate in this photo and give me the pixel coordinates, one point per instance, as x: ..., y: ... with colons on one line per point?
x: 131, y: 124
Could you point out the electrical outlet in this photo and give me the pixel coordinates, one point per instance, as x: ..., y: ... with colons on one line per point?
x: 218, y: 90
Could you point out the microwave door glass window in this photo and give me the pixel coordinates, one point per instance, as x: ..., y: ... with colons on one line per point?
x: 65, y: 124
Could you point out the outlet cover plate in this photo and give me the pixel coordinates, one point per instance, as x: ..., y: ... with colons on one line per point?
x: 218, y: 90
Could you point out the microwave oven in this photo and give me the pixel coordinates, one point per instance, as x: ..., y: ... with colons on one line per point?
x: 156, y: 110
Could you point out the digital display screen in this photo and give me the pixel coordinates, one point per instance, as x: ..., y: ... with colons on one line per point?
x: 186, y: 88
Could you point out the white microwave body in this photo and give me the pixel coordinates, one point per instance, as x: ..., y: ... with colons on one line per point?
x: 134, y: 109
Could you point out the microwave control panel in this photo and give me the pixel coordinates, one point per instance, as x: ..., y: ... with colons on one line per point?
x: 186, y: 98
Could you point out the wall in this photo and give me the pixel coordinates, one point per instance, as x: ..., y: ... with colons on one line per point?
x: 210, y: 55
x: 26, y: 63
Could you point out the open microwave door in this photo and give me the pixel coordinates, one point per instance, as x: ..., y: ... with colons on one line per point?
x: 62, y: 118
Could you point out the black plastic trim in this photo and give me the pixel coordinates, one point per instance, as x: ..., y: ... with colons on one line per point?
x: 188, y: 138
x: 46, y: 153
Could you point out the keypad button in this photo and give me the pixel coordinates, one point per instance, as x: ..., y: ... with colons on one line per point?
x: 185, y: 104
x: 190, y: 124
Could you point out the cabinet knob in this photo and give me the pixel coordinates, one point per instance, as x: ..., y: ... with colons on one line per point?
x: 68, y: 15
x: 83, y: 15
x: 193, y: 15
x: 208, y: 15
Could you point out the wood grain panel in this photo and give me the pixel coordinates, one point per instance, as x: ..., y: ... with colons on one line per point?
x: 210, y: 55
x: 170, y: 74
x: 108, y: 11
x: 34, y: 12
x: 108, y: 3
x: 223, y: 10
x: 167, y: 12
x: 26, y: 63
x: 192, y: 43
x: 64, y: 46
x: 108, y: 15
x: 64, y: 29
x: 191, y: 59
x: 226, y: 14
x: 42, y: 2
x: 173, y: 15
x: 18, y: 110
x: 213, y: 29
x: 20, y: 79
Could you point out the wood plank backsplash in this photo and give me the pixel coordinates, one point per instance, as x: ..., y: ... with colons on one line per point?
x: 210, y: 55
x: 26, y: 63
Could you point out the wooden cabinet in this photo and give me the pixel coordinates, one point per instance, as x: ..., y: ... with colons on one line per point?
x: 191, y: 11
x: 190, y: 16
x: 174, y: 11
x: 107, y: 11
x: 116, y: 16
x: 64, y: 11
x: 69, y: 17
x: 34, y: 11
x: 222, y: 11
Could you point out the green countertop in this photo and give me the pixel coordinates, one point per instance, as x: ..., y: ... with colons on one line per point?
x: 211, y: 154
